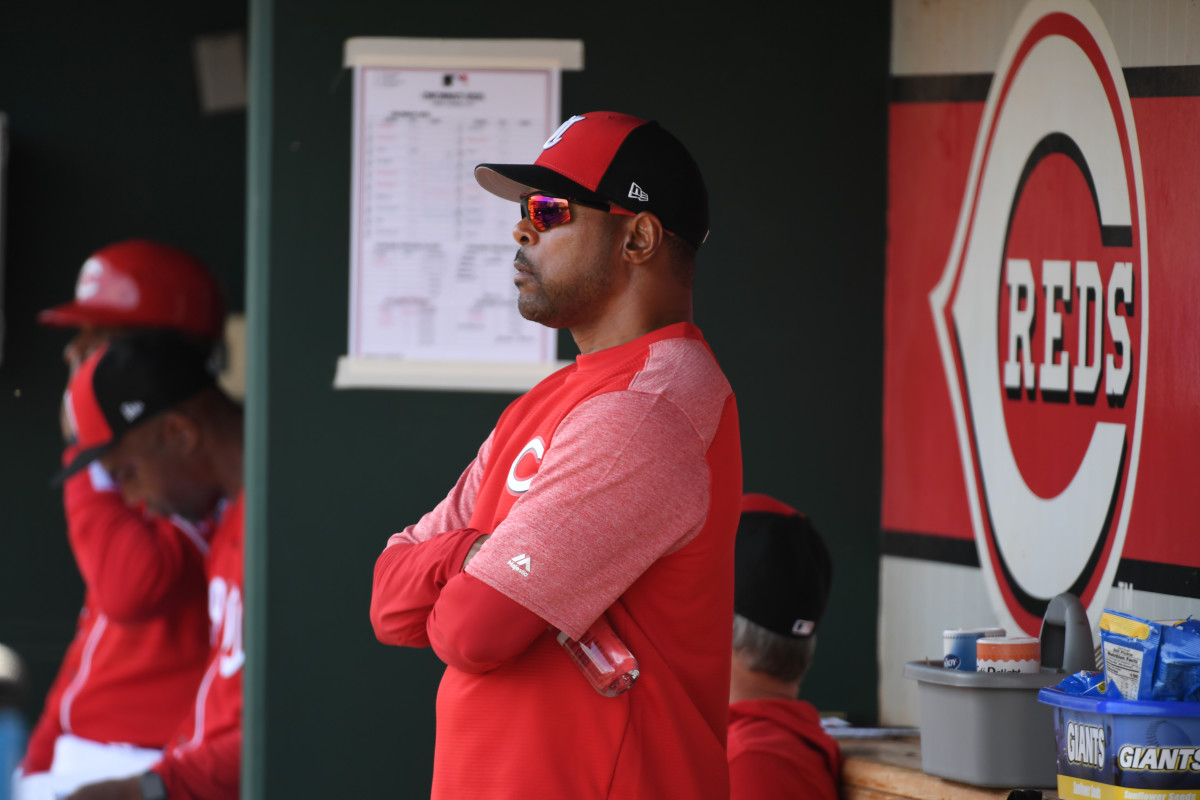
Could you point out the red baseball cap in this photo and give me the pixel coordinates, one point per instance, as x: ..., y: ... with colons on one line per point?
x: 607, y: 157
x: 143, y: 284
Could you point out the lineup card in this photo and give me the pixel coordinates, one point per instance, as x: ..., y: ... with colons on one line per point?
x: 431, y: 252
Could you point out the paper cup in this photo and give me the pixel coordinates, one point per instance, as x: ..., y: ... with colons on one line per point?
x: 958, y: 646
x: 1011, y: 654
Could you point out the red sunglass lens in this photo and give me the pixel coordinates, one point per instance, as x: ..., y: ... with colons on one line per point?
x: 546, y: 212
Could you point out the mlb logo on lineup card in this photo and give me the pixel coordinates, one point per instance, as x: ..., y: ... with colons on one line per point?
x: 1042, y: 350
x: 1041, y: 316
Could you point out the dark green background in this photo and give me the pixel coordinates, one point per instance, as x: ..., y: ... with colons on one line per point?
x: 788, y: 119
x: 106, y: 142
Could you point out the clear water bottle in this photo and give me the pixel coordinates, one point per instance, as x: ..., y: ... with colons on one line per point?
x: 602, y: 658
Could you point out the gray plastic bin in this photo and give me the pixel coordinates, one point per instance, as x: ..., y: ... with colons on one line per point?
x: 986, y: 728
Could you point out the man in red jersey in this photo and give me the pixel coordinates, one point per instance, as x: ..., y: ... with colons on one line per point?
x: 148, y: 407
x: 777, y: 748
x: 139, y: 650
x: 608, y: 495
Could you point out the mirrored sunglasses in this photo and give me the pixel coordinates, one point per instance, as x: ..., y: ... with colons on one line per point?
x: 546, y: 211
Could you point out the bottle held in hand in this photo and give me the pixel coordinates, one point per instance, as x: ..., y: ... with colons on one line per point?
x: 602, y: 658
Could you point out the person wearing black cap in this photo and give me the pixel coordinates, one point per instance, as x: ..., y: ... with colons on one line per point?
x: 606, y: 498
x: 777, y: 748
x: 147, y: 407
x: 141, y: 640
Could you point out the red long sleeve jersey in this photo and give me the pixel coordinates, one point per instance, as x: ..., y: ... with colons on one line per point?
x: 613, y: 487
x: 205, y: 758
x: 141, y: 642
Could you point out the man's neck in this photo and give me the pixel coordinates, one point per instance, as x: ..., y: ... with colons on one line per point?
x: 626, y: 328
x: 747, y: 685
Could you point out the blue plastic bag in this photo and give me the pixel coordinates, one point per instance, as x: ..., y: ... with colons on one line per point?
x: 1177, y: 671
x: 1087, y: 683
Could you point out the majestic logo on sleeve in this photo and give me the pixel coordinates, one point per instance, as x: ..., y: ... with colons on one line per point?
x: 525, y: 466
x: 521, y: 563
x: 1041, y: 316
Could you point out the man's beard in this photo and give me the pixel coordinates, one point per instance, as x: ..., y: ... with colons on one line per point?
x: 560, y: 304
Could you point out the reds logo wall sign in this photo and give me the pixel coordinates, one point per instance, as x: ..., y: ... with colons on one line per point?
x: 1041, y: 316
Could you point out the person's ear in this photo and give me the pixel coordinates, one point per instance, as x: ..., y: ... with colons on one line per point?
x: 180, y: 433
x: 643, y: 238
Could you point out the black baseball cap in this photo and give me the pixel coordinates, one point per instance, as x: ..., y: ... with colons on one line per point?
x: 606, y: 157
x: 126, y: 382
x: 782, y: 568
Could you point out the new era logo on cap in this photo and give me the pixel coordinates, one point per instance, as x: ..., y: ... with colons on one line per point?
x: 610, y: 158
x: 131, y: 411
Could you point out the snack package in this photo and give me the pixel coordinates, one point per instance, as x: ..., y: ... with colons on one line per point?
x: 1130, y: 647
x: 1084, y: 682
x: 1177, y: 671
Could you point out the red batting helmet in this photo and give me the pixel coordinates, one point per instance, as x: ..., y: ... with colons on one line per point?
x: 143, y: 284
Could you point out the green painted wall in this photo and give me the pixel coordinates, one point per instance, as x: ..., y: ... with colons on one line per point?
x: 789, y: 121
x: 107, y: 141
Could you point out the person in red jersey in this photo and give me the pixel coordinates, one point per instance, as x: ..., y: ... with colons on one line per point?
x: 605, y: 498
x: 131, y: 671
x: 148, y: 408
x: 777, y: 747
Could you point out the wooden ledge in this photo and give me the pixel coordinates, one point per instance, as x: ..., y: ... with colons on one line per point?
x: 890, y: 769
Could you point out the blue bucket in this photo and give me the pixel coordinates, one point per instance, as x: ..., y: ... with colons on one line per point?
x: 1125, y: 749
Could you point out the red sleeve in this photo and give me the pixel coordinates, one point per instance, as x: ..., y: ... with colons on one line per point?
x: 408, y: 580
x: 39, y: 752
x: 135, y: 567
x: 476, y: 629
x: 209, y: 772
x: 651, y: 461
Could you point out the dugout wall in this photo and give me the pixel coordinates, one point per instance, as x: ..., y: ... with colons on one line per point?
x: 789, y: 124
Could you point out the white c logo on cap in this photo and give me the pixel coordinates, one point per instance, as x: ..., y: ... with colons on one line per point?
x: 556, y: 137
x: 88, y: 284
